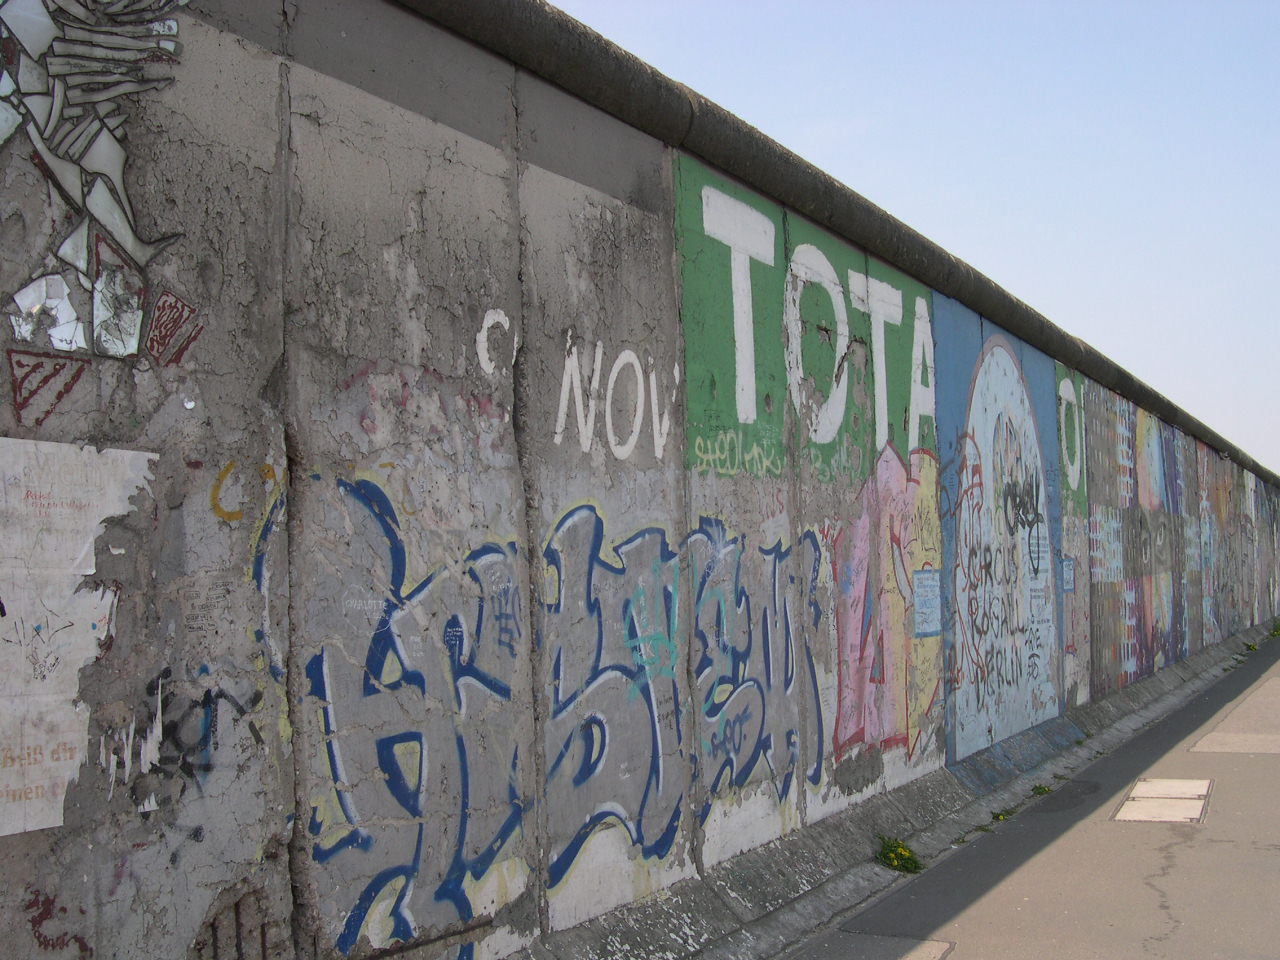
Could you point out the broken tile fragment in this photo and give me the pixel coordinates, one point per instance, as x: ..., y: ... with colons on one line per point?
x: 10, y: 120
x: 118, y: 294
x: 75, y: 248
x: 46, y: 306
x: 29, y: 21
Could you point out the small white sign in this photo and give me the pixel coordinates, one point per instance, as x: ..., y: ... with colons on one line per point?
x: 926, y: 588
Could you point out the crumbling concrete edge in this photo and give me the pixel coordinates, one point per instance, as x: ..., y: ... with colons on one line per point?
x: 761, y: 903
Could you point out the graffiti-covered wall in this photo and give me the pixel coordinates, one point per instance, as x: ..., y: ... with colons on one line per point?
x: 439, y: 511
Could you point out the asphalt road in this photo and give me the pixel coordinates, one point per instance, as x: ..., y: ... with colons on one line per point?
x: 1064, y: 879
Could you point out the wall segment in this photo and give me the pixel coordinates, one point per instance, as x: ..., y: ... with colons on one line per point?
x: 509, y: 508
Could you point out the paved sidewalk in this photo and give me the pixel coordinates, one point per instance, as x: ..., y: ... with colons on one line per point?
x: 1064, y: 877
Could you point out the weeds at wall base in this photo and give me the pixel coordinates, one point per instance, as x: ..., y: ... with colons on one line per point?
x: 896, y: 855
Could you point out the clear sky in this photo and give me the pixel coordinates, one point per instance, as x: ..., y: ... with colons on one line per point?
x: 1114, y: 164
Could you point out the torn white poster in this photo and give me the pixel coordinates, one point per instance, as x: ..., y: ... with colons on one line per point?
x: 54, y: 502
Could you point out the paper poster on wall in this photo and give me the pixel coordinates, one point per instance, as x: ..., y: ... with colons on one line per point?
x: 926, y: 586
x: 54, y: 502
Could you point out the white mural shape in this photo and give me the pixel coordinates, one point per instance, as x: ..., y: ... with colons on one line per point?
x: 1005, y: 632
x: 66, y: 66
x: 53, y: 504
x: 48, y: 316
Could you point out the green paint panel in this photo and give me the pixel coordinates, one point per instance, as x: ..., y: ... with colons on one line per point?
x: 899, y: 349
x: 718, y: 438
x: 780, y: 323
x: 1071, y: 444
x: 826, y: 349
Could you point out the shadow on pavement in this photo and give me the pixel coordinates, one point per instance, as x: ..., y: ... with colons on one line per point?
x: 899, y: 924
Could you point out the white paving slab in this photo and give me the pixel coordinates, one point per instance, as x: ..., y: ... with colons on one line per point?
x: 1154, y: 787
x: 1161, y: 810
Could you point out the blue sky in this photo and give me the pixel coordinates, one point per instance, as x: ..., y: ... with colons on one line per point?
x: 1116, y: 165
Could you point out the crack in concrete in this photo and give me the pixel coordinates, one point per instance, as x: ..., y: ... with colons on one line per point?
x: 1169, y: 859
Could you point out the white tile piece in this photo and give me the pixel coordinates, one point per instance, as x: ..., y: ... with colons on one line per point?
x: 29, y: 21
x: 102, y: 203
x: 106, y: 156
x: 31, y: 76
x: 58, y: 91
x: 117, y: 312
x: 10, y: 120
x: 78, y: 10
x: 46, y: 305
x: 40, y: 106
x: 24, y: 327
x: 32, y: 297
x: 75, y: 249
x: 68, y: 333
x: 1161, y: 810
x: 1170, y: 788
x: 66, y: 173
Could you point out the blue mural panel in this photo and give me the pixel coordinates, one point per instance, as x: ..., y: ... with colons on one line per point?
x: 1001, y: 530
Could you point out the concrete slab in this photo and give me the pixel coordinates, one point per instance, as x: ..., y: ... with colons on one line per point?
x: 1095, y: 717
x: 1061, y: 733
x: 740, y: 943
x: 844, y: 891
x: 1223, y: 742
x: 1171, y: 789
x: 842, y: 945
x: 846, y: 841
x: 767, y: 937
x: 1188, y: 669
x: 876, y: 815
x: 1025, y: 750
x: 562, y: 134
x: 674, y: 923
x: 1252, y: 727
x: 761, y: 880
x: 984, y: 771
x: 1161, y: 810
x: 932, y: 797
x: 419, y: 66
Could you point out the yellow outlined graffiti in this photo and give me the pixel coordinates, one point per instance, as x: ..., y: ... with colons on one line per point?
x: 215, y: 496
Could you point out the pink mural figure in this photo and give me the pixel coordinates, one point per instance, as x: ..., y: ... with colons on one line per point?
x: 889, y: 673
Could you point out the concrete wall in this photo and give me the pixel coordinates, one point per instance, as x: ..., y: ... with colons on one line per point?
x: 438, y: 511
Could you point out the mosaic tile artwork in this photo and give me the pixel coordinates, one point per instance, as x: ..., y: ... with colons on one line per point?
x: 67, y: 68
